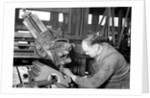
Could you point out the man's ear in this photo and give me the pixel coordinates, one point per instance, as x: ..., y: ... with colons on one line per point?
x: 96, y: 46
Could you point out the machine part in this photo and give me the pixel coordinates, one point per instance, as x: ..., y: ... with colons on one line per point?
x: 25, y: 76
x: 47, y: 39
x: 55, y: 77
x: 21, y: 82
x: 42, y: 72
x: 16, y: 79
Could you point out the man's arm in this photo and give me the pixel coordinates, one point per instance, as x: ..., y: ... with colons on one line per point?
x: 100, y: 77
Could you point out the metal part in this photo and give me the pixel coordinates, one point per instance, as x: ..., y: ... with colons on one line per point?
x: 45, y: 72
x: 45, y: 38
x: 21, y: 82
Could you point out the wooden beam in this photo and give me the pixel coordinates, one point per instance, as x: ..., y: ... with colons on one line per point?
x: 65, y: 23
x: 82, y: 19
x: 78, y: 21
x: 95, y: 22
x: 75, y: 21
x: 85, y: 21
x: 69, y: 21
x: 54, y: 19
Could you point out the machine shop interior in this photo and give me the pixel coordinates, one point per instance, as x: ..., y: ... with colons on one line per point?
x: 74, y: 24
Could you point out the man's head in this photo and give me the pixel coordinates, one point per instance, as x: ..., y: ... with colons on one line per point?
x: 92, y: 45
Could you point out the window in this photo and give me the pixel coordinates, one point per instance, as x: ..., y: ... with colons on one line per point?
x: 90, y: 19
x: 110, y: 24
x: 61, y: 17
x: 104, y: 20
x: 42, y: 15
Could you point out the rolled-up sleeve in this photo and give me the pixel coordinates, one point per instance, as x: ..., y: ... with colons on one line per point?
x: 99, y: 77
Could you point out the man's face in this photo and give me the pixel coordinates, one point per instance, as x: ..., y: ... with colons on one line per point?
x: 89, y: 50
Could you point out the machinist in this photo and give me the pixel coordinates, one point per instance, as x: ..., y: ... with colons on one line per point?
x: 110, y: 68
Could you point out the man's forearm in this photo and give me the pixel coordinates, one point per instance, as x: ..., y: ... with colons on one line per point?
x: 73, y: 77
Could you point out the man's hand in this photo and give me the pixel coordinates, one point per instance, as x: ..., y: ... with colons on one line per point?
x: 69, y: 73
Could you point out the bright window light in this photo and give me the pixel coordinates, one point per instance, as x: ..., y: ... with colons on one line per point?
x: 115, y: 21
x: 42, y: 15
x: 61, y: 17
x: 110, y: 23
x: 104, y: 20
x: 90, y: 19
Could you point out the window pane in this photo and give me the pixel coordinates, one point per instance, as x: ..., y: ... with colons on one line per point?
x: 60, y: 17
x: 90, y: 19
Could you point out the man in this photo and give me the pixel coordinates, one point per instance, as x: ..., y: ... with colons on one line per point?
x: 110, y: 69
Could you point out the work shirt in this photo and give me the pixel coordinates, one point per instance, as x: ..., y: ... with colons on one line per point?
x: 110, y: 70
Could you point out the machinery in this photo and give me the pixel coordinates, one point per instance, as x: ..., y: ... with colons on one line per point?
x: 49, y: 46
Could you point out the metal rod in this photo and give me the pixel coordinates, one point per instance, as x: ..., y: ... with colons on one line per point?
x: 113, y: 28
x: 21, y: 82
x: 34, y: 25
x: 108, y: 28
x: 120, y: 37
x: 99, y: 26
x: 104, y: 27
